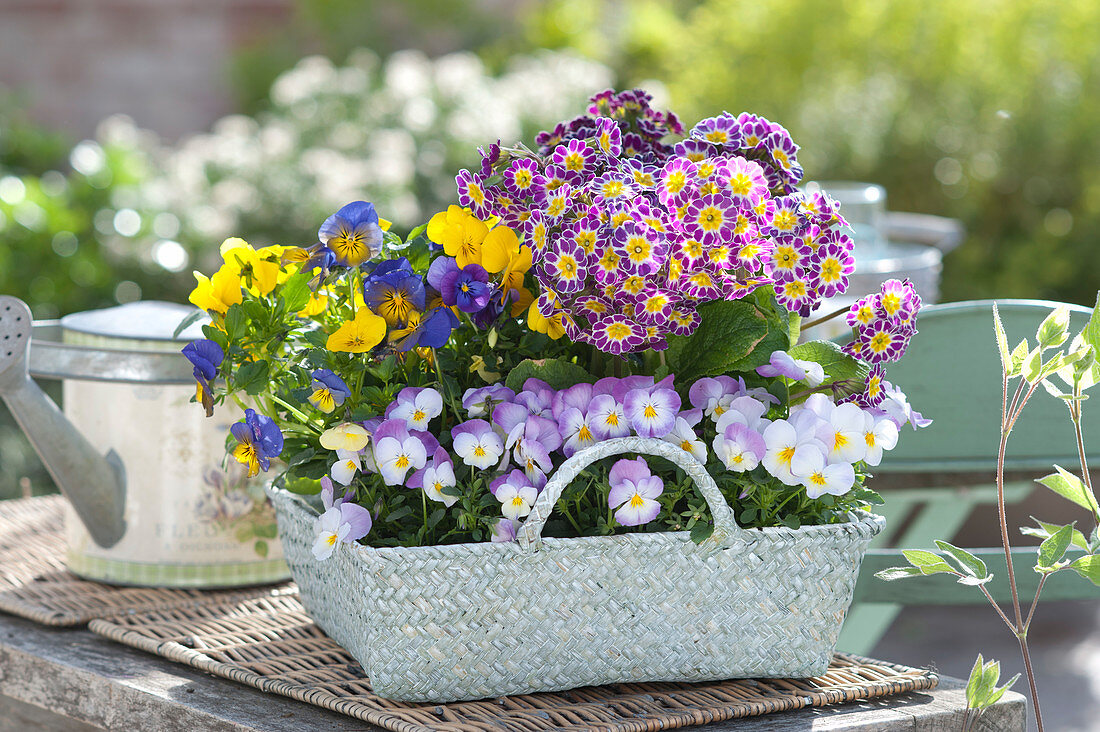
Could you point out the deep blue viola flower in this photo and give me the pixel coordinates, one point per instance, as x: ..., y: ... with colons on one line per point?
x: 259, y: 440
x: 431, y: 330
x: 467, y: 289
x: 488, y: 315
x: 394, y: 294
x: 329, y: 390
x: 206, y: 356
x: 353, y: 233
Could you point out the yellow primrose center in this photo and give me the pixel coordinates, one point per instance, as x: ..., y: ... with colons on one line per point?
x: 675, y: 182
x: 719, y: 254
x: 874, y: 386
x: 705, y: 170
x: 785, y: 220
x: 891, y: 303
x: 556, y: 207
x: 473, y: 190
x: 617, y: 331
x: 786, y: 256
x: 639, y: 248
x: 604, y: 140
x: 740, y: 184
x: 567, y: 266
x: 611, y: 189
x: 643, y: 179
x: 782, y: 158
x: 880, y: 342
x: 830, y: 270
x: 719, y: 136
x: 796, y: 288
x: 701, y: 279
x: 620, y: 218
x: 710, y: 218
x: 696, y: 156
x: 656, y: 303
x: 586, y: 240
x: 574, y: 161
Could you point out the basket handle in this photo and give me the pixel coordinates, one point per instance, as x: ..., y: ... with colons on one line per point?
x: 529, y: 535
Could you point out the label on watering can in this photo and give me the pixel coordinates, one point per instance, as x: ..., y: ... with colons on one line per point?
x: 193, y: 519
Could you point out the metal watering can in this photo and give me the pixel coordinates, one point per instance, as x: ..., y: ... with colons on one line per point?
x: 149, y: 501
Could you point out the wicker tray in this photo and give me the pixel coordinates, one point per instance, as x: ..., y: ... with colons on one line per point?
x: 272, y: 645
x: 34, y: 583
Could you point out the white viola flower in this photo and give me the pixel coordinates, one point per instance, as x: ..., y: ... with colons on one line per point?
x: 744, y: 410
x: 684, y: 437
x: 608, y: 415
x: 739, y: 448
x: 819, y: 404
x: 516, y: 499
x: 833, y: 478
x: 417, y: 406
x: 348, y: 436
x: 846, y: 425
x: 789, y: 454
x: 396, y: 452
x: 879, y: 433
x: 330, y: 530
x: 436, y: 475
x: 346, y: 466
x: 477, y: 444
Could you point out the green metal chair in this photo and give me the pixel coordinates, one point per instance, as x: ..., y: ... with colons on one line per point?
x: 951, y: 373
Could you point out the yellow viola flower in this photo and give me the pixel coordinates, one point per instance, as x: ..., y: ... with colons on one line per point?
x: 262, y: 266
x: 460, y: 233
x: 502, y: 253
x: 522, y: 301
x: 219, y: 292
x: 317, y: 303
x: 553, y: 327
x: 359, y: 335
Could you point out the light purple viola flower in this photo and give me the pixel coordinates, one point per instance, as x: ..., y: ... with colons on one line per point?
x: 713, y: 395
x: 417, y: 406
x: 344, y: 523
x: 608, y: 416
x: 533, y: 445
x: 578, y: 396
x: 740, y: 448
x: 436, y: 476
x: 504, y: 530
x: 623, y: 386
x: 537, y: 396
x: 579, y: 429
x: 692, y: 416
x: 477, y: 444
x: 745, y: 410
x: 652, y: 412
x: 782, y: 363
x: 634, y: 491
x: 397, y: 451
x: 481, y: 401
x: 516, y: 494
x: 328, y: 494
x: 895, y: 405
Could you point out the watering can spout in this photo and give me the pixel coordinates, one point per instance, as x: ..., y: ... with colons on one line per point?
x: 95, y: 484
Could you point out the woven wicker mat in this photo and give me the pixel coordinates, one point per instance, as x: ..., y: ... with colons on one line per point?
x: 34, y: 583
x: 272, y: 645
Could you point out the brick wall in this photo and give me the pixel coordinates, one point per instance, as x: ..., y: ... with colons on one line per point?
x: 163, y: 62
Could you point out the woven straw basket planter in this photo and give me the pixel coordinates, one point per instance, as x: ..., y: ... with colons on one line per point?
x: 468, y: 621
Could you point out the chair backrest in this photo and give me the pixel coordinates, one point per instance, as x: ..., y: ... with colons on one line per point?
x: 952, y: 374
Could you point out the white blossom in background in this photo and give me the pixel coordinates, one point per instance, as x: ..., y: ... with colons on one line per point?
x: 393, y: 132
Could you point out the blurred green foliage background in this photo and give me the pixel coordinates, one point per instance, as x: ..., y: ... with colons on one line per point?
x: 982, y: 110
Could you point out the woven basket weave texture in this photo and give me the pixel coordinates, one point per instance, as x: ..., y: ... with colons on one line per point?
x: 469, y: 621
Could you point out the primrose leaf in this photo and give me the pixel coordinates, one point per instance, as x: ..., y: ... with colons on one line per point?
x: 559, y: 374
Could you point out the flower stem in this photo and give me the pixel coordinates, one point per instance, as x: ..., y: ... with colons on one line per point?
x: 825, y: 318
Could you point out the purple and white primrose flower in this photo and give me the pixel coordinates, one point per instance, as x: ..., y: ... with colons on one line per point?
x: 342, y: 521
x: 740, y: 448
x: 417, y: 406
x: 436, y: 476
x: 652, y: 412
x: 396, y: 451
x: 477, y: 444
x: 516, y: 494
x: 789, y: 452
x: 634, y: 491
x: 782, y: 363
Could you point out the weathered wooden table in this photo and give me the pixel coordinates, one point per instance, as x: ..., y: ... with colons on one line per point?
x: 74, y: 680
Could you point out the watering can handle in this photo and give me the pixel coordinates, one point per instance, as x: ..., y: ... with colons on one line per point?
x: 93, y: 483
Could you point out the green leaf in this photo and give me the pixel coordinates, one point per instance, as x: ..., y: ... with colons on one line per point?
x: 838, y: 366
x: 1069, y: 486
x: 188, y: 321
x: 701, y: 532
x: 1054, y: 329
x: 252, y: 377
x: 728, y: 332
x: 1088, y: 567
x: 1002, y: 340
x: 1091, y: 332
x: 927, y: 562
x: 300, y: 457
x: 304, y: 486
x: 416, y: 232
x: 1054, y: 548
x: 557, y: 373
x: 977, y: 675
x: 296, y: 292
x: 895, y: 573
x: 260, y: 547
x: 1033, y: 365
x: 794, y: 323
x: 244, y: 533
x: 995, y: 696
x: 967, y: 562
x: 1019, y: 355
x: 1045, y: 531
x: 267, y: 531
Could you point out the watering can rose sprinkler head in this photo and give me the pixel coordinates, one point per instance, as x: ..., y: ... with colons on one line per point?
x: 95, y: 484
